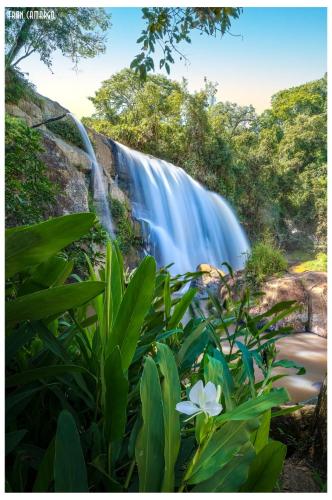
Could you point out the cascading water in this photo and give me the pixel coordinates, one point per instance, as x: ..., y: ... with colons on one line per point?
x: 99, y: 192
x: 183, y: 223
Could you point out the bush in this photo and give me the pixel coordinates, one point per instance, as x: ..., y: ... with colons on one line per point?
x: 66, y: 130
x: 29, y: 194
x: 264, y: 261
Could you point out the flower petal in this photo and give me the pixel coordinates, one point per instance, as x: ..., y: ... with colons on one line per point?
x: 196, y: 392
x: 210, y: 393
x: 213, y: 409
x: 187, y: 407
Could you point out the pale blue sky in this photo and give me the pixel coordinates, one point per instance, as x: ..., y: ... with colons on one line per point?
x: 278, y: 48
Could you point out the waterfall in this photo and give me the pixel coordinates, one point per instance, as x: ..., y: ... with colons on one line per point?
x: 100, y: 197
x: 182, y: 222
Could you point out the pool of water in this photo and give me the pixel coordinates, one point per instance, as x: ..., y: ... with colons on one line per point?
x: 309, y: 350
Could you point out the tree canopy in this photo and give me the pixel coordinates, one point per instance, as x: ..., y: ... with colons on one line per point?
x: 77, y: 32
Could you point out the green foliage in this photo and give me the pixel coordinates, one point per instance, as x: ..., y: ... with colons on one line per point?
x: 29, y: 194
x: 17, y: 86
x: 263, y: 262
x: 125, y: 232
x: 77, y: 32
x: 69, y: 466
x: 91, y: 390
x: 66, y: 130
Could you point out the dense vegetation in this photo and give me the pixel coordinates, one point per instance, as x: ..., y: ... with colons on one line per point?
x: 29, y: 194
x: 272, y: 167
x: 96, y: 371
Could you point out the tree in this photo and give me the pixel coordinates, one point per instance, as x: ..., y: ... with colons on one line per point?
x: 76, y: 32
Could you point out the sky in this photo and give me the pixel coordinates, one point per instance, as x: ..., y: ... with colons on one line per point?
x: 277, y: 48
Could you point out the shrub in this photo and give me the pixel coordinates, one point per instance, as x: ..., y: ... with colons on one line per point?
x: 66, y: 130
x: 29, y: 194
x: 265, y: 260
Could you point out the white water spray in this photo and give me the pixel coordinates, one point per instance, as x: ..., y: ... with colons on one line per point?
x: 182, y: 222
x: 100, y: 197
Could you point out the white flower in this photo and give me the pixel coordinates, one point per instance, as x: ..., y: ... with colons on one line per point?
x: 202, y: 400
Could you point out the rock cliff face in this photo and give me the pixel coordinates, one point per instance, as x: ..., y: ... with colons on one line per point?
x: 68, y: 165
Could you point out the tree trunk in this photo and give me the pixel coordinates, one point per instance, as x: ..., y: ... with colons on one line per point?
x: 20, y: 40
x: 318, y: 450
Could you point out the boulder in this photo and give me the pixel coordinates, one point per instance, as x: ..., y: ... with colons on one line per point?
x: 309, y: 289
x: 315, y: 284
x: 288, y: 287
x: 209, y: 282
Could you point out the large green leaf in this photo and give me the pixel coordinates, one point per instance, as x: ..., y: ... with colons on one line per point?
x: 231, y: 477
x: 248, y: 365
x: 221, y: 447
x: 116, y: 281
x: 181, y: 307
x: 255, y: 407
x: 135, y: 304
x: 30, y: 245
x: 261, y: 437
x: 171, y: 392
x: 52, y: 301
x: 116, y: 393
x: 149, y: 450
x: 45, y: 472
x: 228, y: 382
x: 192, y: 346
x: 69, y: 466
x: 266, y: 468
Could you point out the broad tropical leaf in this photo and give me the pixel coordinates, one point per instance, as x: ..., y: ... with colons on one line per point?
x: 52, y: 301
x: 135, y: 304
x: 171, y: 393
x: 220, y: 449
x: 266, y: 468
x: 231, y: 477
x: 69, y: 466
x: 116, y: 393
x: 149, y: 450
x: 30, y: 245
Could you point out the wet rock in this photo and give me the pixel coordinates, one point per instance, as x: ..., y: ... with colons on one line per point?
x: 209, y: 282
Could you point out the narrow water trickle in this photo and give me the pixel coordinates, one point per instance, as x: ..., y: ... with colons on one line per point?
x: 100, y: 197
x: 182, y: 222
